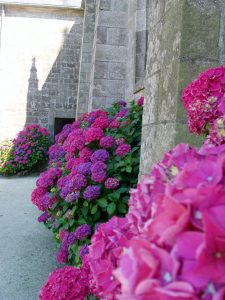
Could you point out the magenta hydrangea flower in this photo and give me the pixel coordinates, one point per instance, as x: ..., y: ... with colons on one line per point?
x: 120, y: 141
x: 92, y: 192
x: 100, y: 155
x: 43, y: 217
x: 86, y: 154
x: 104, y: 252
x: 93, y: 134
x: 112, y: 183
x: 114, y: 124
x: 140, y: 101
x: 123, y: 149
x: 107, y: 142
x: 100, y: 122
x: 67, y: 283
x: 204, y: 99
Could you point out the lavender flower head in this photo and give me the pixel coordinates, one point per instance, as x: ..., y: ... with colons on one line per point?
x: 92, y: 192
x: 83, y: 251
x: 82, y: 232
x: 100, y: 155
x: 72, y: 197
x: 83, y: 168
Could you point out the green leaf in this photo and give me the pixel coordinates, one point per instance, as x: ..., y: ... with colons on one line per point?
x: 111, y: 208
x: 122, y: 208
x: 128, y: 169
x: 85, y: 204
x: 94, y: 209
x: 102, y: 202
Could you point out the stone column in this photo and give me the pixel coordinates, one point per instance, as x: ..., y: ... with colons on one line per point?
x: 185, y: 37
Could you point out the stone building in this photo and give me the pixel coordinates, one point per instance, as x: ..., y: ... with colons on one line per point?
x: 60, y: 58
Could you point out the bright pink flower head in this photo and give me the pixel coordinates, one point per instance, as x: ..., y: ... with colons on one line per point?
x: 100, y: 122
x: 204, y: 99
x: 123, y: 149
x: 93, y: 134
x: 67, y: 283
x: 106, y: 247
x: 140, y: 101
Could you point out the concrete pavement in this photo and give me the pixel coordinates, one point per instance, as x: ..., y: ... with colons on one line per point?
x: 27, y: 249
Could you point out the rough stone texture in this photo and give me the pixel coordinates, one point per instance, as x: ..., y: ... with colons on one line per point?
x: 185, y: 37
x: 39, y: 67
x: 86, y: 56
x: 27, y: 249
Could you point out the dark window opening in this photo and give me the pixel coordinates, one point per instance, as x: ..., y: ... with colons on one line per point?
x: 60, y: 122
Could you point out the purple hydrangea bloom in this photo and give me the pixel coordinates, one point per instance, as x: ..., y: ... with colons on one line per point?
x: 84, y: 168
x: 82, y: 232
x: 92, y: 192
x: 70, y: 198
x: 79, y: 181
x: 71, y: 238
x: 107, y: 142
x: 98, y: 167
x: 100, y: 155
x: 83, y: 251
x: 44, y: 217
x: 99, y: 177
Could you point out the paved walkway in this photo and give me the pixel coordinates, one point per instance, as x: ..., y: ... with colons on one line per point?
x: 27, y: 249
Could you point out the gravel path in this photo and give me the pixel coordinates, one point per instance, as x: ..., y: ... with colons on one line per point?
x: 27, y: 249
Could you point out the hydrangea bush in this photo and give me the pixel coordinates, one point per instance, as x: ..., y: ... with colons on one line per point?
x: 92, y: 166
x: 29, y: 148
x: 171, y: 243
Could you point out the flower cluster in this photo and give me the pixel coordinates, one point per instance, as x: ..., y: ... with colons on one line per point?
x: 171, y: 243
x: 29, y: 148
x: 204, y: 99
x: 92, y: 166
x: 67, y: 283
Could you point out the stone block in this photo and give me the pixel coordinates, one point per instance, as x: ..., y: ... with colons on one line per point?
x: 117, y: 36
x: 101, y: 70
x: 105, y: 4
x: 102, y: 35
x: 108, y: 88
x: 113, y: 19
x: 111, y: 53
x: 117, y: 70
x: 200, y: 31
x: 120, y: 5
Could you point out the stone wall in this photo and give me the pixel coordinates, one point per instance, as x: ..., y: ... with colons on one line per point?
x: 185, y: 37
x: 39, y: 67
x: 113, y: 52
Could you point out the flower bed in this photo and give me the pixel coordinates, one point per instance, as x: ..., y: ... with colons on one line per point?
x: 93, y: 165
x: 171, y: 243
x: 27, y: 150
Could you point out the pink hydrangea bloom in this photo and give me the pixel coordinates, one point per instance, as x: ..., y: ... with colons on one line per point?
x: 204, y: 99
x: 67, y: 283
x: 106, y: 247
